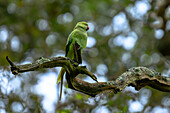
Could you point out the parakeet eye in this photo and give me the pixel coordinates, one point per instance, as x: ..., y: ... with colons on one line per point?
x: 85, y: 24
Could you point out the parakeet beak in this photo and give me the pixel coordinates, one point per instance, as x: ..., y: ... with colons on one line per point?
x: 87, y: 28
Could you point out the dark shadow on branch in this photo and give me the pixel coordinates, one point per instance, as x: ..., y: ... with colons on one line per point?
x: 137, y: 77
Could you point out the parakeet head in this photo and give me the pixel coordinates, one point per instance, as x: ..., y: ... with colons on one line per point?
x: 82, y: 25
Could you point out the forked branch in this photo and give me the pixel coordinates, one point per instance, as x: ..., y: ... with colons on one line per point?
x: 137, y: 77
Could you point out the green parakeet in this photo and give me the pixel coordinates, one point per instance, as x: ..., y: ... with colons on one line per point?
x: 79, y: 35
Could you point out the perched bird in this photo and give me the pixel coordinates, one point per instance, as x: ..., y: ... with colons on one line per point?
x: 79, y: 36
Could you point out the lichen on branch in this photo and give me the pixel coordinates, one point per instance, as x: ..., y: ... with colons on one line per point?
x: 137, y: 77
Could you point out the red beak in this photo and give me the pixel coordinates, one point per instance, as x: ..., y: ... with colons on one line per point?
x: 87, y: 28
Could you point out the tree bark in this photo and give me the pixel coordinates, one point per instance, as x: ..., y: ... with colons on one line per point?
x: 137, y: 77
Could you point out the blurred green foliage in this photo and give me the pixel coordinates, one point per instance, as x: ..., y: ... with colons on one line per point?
x: 30, y: 29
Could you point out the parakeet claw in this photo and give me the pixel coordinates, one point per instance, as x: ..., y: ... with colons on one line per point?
x: 74, y: 63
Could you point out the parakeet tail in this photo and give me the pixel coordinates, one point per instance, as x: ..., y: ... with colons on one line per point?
x: 61, y: 74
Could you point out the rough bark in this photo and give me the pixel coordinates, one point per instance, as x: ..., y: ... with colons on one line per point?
x: 137, y: 77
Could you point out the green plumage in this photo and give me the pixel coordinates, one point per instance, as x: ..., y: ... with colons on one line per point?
x: 79, y: 35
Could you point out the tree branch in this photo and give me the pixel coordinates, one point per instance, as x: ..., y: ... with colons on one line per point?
x: 137, y: 77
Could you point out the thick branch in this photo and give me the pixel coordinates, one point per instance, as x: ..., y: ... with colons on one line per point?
x: 137, y: 77
x: 42, y: 63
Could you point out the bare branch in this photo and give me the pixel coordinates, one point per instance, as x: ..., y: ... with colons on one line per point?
x: 137, y: 77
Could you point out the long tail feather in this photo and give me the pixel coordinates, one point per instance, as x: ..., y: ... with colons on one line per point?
x: 60, y: 78
x: 62, y: 71
x: 61, y: 88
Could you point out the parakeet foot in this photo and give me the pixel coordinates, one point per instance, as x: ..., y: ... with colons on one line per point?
x: 74, y: 63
